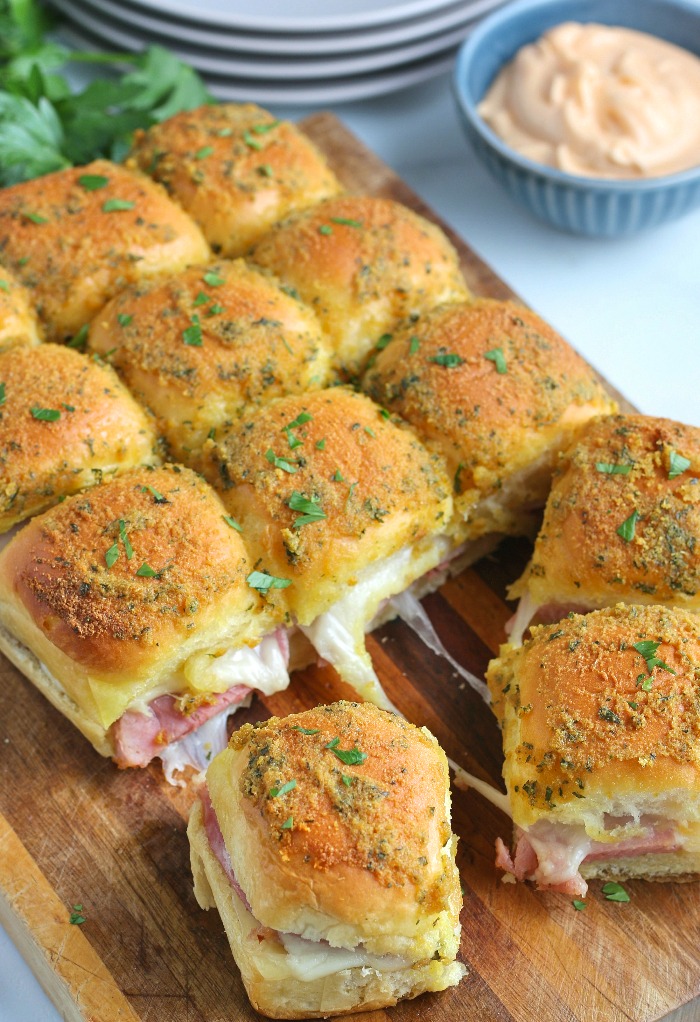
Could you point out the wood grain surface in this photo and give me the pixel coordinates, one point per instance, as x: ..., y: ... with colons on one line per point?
x: 74, y: 830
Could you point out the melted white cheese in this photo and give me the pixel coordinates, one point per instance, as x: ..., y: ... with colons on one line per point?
x: 309, y: 960
x: 198, y: 748
x: 263, y: 668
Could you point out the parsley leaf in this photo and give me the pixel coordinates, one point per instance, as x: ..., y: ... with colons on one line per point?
x: 647, y: 649
x: 677, y: 464
x: 310, y: 508
x: 350, y: 757
x: 615, y: 892
x: 447, y: 359
x: 498, y: 358
x: 261, y: 581
x: 611, y: 469
x: 282, y: 463
x: 283, y: 788
x: 45, y: 414
x: 626, y: 530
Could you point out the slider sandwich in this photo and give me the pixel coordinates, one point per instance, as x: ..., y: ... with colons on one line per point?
x: 341, y: 509
x: 74, y: 238
x: 66, y: 423
x: 128, y: 606
x: 202, y: 347
x: 601, y: 736
x: 363, y: 264
x: 235, y: 169
x: 497, y: 392
x: 622, y: 523
x: 19, y: 326
x: 324, y: 841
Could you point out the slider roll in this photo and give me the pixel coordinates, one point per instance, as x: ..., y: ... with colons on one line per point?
x: 341, y: 509
x: 235, y: 169
x: 497, y: 392
x: 128, y: 606
x: 205, y: 346
x: 19, y: 326
x: 363, y: 264
x: 66, y: 423
x: 76, y: 237
x: 324, y: 841
x: 622, y: 523
x: 601, y: 722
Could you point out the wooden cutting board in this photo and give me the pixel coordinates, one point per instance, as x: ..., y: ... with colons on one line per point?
x: 75, y: 831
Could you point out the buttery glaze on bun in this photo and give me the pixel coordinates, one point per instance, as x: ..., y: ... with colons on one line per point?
x: 66, y: 423
x: 497, y: 392
x: 235, y: 169
x: 363, y: 264
x: 341, y: 892
x: 601, y: 728
x: 19, y: 326
x: 341, y: 507
x: 120, y: 594
x: 205, y: 346
x: 76, y: 237
x: 622, y: 522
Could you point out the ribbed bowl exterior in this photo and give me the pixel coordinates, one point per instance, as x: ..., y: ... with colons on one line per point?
x: 592, y: 206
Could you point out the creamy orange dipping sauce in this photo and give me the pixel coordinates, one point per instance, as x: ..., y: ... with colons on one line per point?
x: 600, y: 101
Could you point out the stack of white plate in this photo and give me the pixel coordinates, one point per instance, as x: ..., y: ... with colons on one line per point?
x: 281, y: 51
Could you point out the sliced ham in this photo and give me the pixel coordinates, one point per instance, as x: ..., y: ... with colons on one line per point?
x: 218, y: 845
x: 140, y: 737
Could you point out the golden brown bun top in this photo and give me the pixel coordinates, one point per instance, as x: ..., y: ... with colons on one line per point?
x: 619, y: 466
x: 363, y: 263
x: 357, y: 836
x: 18, y: 322
x: 75, y: 237
x: 117, y: 619
x: 372, y: 485
x: 489, y: 384
x: 64, y: 421
x: 202, y: 346
x: 235, y: 169
x: 588, y: 714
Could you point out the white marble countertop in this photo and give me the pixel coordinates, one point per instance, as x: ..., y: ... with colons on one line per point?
x: 631, y: 307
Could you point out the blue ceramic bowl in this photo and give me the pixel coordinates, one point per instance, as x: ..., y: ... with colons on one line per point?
x: 583, y: 205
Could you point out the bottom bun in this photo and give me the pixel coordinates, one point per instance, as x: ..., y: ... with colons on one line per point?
x: 282, y: 985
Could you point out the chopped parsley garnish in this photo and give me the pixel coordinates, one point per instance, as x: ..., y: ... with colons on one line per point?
x: 5, y: 286
x: 286, y: 466
x: 347, y: 779
x: 311, y: 511
x: 117, y: 205
x: 112, y: 555
x: 125, y: 540
x: 499, y: 360
x: 301, y: 418
x: 36, y: 218
x: 321, y: 444
x: 2, y: 394
x: 205, y: 151
x: 325, y: 229
x: 283, y: 788
x: 605, y: 713
x: 261, y: 581
x: 346, y: 221
x: 158, y: 497
x: 233, y: 523
x: 213, y: 279
x: 615, y: 892
x: 350, y: 757
x: 578, y: 905
x: 192, y: 335
x: 80, y: 339
x: 448, y: 359
x: 201, y: 299
x: 77, y: 917
x: 250, y: 141
x: 677, y: 464
x: 92, y: 182
x: 305, y: 730
x: 262, y: 129
x: 413, y: 345
x: 626, y: 530
x: 123, y: 319
x: 146, y: 571
x: 647, y: 649
x: 337, y: 476
x: 611, y: 469
x: 288, y: 823
x: 264, y: 170
x: 45, y: 414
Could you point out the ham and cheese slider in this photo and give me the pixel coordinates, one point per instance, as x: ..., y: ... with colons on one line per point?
x: 66, y: 423
x: 497, y: 392
x: 601, y: 718
x: 19, y: 326
x: 324, y: 841
x: 235, y: 169
x: 74, y: 238
x: 341, y: 509
x: 363, y: 263
x: 204, y: 346
x: 128, y: 607
x: 622, y: 523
